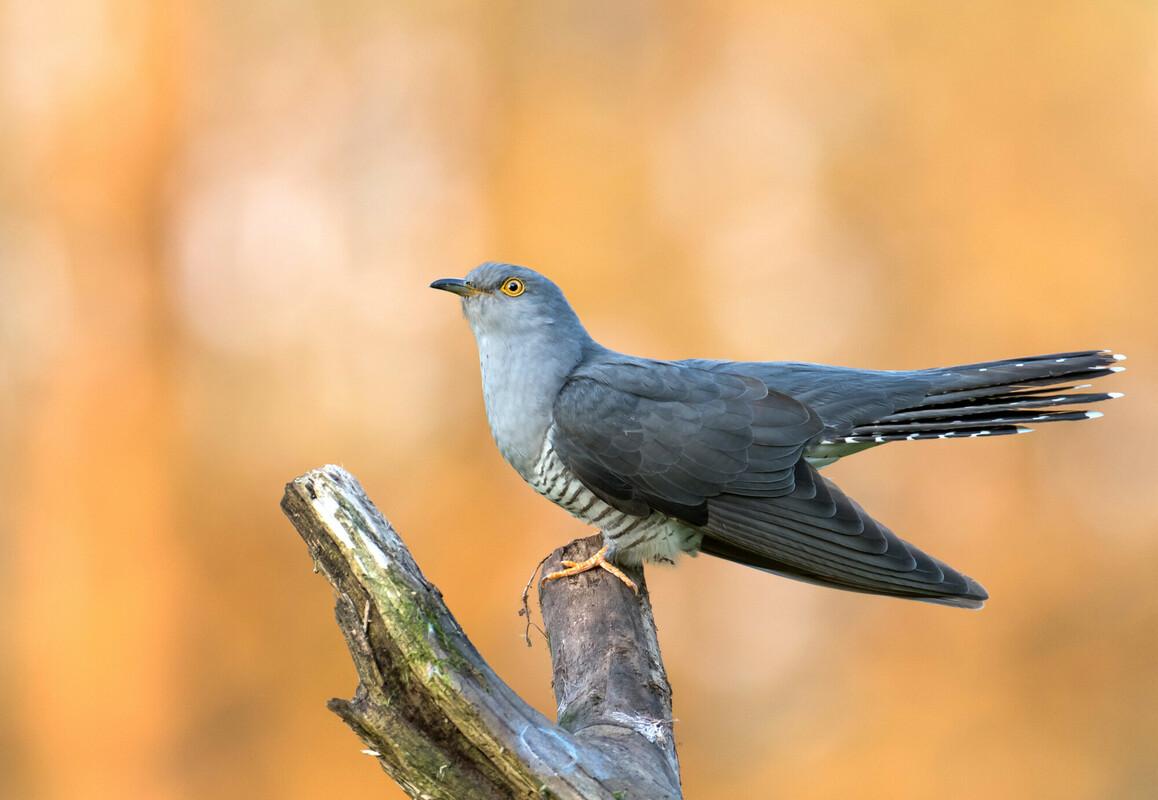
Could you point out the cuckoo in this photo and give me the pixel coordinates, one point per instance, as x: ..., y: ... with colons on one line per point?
x: 722, y: 457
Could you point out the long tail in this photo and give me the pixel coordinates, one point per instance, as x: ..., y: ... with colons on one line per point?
x: 995, y: 398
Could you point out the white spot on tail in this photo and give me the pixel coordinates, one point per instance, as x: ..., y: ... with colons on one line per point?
x: 1094, y: 414
x: 1114, y: 395
x: 1119, y: 357
x: 1115, y: 369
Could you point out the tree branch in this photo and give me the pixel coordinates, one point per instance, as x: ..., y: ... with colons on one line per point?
x: 441, y: 722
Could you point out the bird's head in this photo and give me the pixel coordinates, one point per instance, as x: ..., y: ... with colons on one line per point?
x: 508, y: 302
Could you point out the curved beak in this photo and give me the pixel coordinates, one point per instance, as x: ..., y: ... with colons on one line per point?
x: 455, y: 286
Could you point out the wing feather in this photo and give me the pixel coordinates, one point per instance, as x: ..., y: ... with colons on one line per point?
x: 724, y: 452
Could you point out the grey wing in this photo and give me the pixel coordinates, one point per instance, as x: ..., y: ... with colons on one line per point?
x: 659, y: 436
x: 724, y: 453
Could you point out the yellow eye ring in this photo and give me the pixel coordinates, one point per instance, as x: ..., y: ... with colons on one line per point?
x: 513, y: 287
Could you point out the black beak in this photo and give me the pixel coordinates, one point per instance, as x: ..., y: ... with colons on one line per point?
x: 455, y: 285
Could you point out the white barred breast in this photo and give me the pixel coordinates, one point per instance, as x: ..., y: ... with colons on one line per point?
x: 632, y: 539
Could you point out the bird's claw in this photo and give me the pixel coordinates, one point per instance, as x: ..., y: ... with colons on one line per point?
x: 599, y: 560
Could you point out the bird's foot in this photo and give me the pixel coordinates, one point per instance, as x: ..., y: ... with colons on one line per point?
x: 597, y: 561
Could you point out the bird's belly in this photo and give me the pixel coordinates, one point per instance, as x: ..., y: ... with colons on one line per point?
x: 633, y: 540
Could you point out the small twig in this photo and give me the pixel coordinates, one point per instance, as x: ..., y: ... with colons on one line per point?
x: 525, y: 611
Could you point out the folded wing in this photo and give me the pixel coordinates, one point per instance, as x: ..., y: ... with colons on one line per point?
x: 724, y: 453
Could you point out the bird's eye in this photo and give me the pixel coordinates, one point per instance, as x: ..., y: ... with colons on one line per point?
x: 513, y: 287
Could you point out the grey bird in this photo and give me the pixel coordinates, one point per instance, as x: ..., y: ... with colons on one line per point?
x: 722, y: 457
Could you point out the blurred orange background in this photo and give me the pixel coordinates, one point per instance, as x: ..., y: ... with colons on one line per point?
x: 217, y: 224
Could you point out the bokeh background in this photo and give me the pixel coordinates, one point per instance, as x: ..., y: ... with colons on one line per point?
x: 217, y: 223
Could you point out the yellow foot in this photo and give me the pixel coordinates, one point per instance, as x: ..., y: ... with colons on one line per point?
x: 597, y: 560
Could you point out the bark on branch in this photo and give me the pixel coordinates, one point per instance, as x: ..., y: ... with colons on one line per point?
x: 441, y: 722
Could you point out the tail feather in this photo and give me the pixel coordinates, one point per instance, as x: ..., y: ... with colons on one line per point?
x: 975, y: 380
x: 1007, y: 418
x: 1024, y: 386
x: 995, y: 398
x: 1106, y: 356
x: 1020, y: 405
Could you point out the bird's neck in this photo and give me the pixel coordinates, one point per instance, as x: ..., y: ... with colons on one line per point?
x: 521, y: 377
